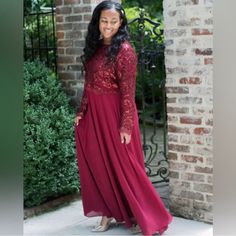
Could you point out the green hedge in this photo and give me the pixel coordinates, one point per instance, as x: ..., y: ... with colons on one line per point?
x: 50, y: 166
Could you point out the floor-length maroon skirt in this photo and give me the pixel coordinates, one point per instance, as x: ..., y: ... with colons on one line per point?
x: 112, y: 175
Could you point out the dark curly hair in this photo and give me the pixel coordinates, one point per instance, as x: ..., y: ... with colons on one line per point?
x: 93, y: 41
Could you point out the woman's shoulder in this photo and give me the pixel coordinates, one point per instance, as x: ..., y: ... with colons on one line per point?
x: 126, y: 46
x: 126, y: 50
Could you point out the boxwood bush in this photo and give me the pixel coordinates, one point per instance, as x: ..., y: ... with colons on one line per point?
x: 50, y: 166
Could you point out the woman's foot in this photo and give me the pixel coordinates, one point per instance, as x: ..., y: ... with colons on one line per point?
x: 104, y: 225
x: 135, y: 229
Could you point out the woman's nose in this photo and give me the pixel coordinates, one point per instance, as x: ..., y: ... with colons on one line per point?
x: 108, y: 25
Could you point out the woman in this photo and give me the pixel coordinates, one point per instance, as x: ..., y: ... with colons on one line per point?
x: 114, y: 184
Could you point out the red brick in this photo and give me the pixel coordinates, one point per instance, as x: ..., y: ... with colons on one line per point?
x: 192, y: 159
x: 172, y: 119
x: 175, y: 33
x: 67, y: 76
x: 204, y: 52
x: 87, y: 17
x: 190, y: 100
x: 171, y: 100
x: 65, y: 59
x: 65, y: 43
x: 187, y: 2
x: 73, y: 51
x: 58, y: 2
x: 178, y: 148
x: 176, y: 70
x: 73, y: 34
x: 203, y: 151
x: 178, y: 90
x: 176, y: 129
x: 190, y: 120
x: 82, y: 9
x: 65, y: 26
x: 60, y: 35
x: 178, y: 166
x: 60, y: 51
x: 177, y: 185
x: 200, y: 131
x: 59, y: 18
x: 79, y: 43
x: 194, y: 21
x: 208, y: 60
x: 208, y: 188
x: 66, y: 2
x: 193, y: 177
x: 182, y: 110
x: 181, y: 202
x: 61, y: 68
x: 73, y: 67
x: 200, y: 142
x: 80, y: 26
x: 202, y: 111
x: 190, y: 80
x: 192, y: 139
x: 172, y: 138
x: 73, y: 18
x: 174, y: 174
x: 202, y: 205
x: 207, y: 170
x: 202, y: 32
x: 63, y: 10
x: 172, y: 156
x: 192, y: 195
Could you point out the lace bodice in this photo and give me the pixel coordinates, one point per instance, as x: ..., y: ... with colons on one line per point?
x: 119, y: 77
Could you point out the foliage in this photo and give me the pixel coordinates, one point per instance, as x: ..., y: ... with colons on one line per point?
x: 36, y: 5
x: 154, y: 8
x: 50, y: 167
x: 149, y: 89
x: 39, y: 34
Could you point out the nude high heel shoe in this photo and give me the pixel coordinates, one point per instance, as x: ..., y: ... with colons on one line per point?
x: 102, y: 228
x: 135, y: 229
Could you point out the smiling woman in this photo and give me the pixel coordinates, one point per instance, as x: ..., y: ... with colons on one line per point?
x: 113, y: 180
x: 109, y: 24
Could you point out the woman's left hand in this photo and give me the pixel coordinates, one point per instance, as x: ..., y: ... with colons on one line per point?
x: 125, y: 138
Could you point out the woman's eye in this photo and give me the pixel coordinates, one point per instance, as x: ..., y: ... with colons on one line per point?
x: 106, y: 22
x: 103, y: 21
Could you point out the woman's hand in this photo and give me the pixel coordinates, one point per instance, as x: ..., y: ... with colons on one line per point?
x: 125, y: 138
x: 77, y: 119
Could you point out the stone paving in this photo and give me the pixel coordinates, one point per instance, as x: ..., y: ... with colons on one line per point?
x: 69, y: 220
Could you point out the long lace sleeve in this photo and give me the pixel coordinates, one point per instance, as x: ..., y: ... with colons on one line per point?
x: 83, y: 103
x: 126, y: 73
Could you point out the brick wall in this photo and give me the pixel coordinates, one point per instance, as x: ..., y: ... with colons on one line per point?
x: 189, y: 66
x: 72, y: 18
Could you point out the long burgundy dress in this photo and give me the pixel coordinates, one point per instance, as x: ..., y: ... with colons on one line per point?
x: 112, y: 174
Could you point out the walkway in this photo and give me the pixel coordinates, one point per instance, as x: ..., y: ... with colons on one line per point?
x: 69, y: 220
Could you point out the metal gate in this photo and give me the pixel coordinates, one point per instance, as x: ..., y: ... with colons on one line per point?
x: 40, y: 37
x: 147, y: 39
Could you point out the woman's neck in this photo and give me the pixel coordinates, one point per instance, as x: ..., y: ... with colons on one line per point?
x: 106, y: 42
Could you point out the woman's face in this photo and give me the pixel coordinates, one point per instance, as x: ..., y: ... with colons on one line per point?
x: 109, y: 24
